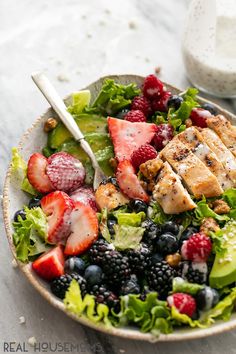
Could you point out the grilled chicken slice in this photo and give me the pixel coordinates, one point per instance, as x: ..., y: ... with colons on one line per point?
x: 170, y: 193
x: 197, y: 177
x: 225, y: 130
x: 224, y: 155
x: 192, y: 138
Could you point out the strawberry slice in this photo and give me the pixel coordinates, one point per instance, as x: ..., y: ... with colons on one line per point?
x: 129, y: 182
x: 65, y: 172
x: 36, y: 173
x: 84, y: 229
x: 57, y: 206
x: 128, y: 136
x: 51, y: 264
x: 86, y: 196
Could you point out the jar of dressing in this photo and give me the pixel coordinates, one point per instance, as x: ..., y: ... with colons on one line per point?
x: 209, y: 46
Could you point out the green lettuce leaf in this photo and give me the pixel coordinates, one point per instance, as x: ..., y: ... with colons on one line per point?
x: 156, y: 213
x: 80, y: 100
x: 29, y: 234
x: 86, y: 306
x: 113, y: 97
x: 180, y: 319
x: 130, y: 219
x: 19, y: 170
x: 182, y: 286
x: 150, y: 315
x: 230, y: 197
x: 204, y: 211
x: 103, y: 225
x: 127, y: 237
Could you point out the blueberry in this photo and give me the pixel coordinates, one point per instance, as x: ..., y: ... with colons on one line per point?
x: 111, y: 180
x: 210, y: 107
x: 110, y: 225
x: 75, y: 264
x: 156, y: 257
x: 122, y: 113
x: 93, y: 275
x: 174, y: 102
x: 186, y: 234
x: 207, y: 298
x: 34, y: 202
x: 138, y: 205
x: 170, y: 226
x: 167, y: 243
x: 19, y: 213
x: 130, y: 286
x: 151, y: 232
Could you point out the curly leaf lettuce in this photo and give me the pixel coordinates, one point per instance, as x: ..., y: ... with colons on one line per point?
x: 156, y: 213
x: 230, y: 197
x: 79, y: 306
x: 19, y: 170
x: 204, y: 211
x: 80, y: 100
x: 29, y: 234
x: 182, y: 286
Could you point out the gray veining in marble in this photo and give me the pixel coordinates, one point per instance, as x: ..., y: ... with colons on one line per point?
x: 75, y: 42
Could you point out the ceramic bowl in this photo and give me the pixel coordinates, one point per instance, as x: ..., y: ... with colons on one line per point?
x: 13, y: 199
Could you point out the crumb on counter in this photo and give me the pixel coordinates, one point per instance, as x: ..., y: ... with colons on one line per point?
x: 157, y: 69
x: 14, y: 263
x: 32, y: 341
x: 62, y: 78
x: 132, y: 25
x: 22, y: 319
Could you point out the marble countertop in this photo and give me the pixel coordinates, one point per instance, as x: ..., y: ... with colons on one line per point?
x: 75, y: 42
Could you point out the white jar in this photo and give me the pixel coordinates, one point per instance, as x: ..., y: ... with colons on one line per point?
x: 209, y: 46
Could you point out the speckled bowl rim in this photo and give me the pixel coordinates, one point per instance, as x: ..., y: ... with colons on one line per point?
x: 126, y: 332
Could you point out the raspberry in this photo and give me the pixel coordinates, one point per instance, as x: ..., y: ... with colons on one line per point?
x: 65, y: 172
x: 199, y: 117
x: 161, y: 103
x: 152, y: 87
x: 197, y: 248
x: 164, y: 134
x: 184, y: 303
x: 143, y: 104
x: 144, y: 153
x: 135, y: 116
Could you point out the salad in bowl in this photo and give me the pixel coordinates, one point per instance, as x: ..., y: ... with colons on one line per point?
x: 152, y: 251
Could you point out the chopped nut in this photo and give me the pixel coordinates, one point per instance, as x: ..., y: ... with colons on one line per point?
x: 220, y: 207
x: 151, y: 185
x: 144, y: 185
x: 209, y: 224
x: 188, y: 123
x: 173, y: 259
x: 50, y: 124
x: 113, y: 163
x: 150, y: 168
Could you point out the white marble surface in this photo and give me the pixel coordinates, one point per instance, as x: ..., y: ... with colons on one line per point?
x: 75, y: 42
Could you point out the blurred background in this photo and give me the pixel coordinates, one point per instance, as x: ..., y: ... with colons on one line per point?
x: 75, y: 42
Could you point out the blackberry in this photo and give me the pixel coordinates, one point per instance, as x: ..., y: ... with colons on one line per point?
x: 139, y: 259
x: 97, y: 250
x: 151, y: 232
x: 103, y: 295
x: 115, y: 267
x: 159, y: 277
x: 130, y: 286
x: 194, y: 272
x: 60, y: 285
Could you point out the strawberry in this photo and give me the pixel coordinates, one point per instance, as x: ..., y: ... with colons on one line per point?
x: 152, y: 87
x: 144, y: 153
x: 57, y: 206
x: 128, y: 137
x: 184, y: 303
x: 129, y: 183
x: 36, y: 173
x: 84, y: 229
x: 143, y: 104
x: 135, y: 116
x: 65, y: 172
x: 197, y: 248
x: 161, y: 103
x: 199, y: 117
x: 50, y: 265
x: 86, y: 196
x: 165, y: 133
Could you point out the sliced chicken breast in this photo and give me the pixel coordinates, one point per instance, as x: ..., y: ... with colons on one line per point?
x: 192, y: 138
x: 224, y: 155
x: 197, y: 177
x: 225, y: 130
x: 170, y: 193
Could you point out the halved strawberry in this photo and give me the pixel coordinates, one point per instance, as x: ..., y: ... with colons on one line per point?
x: 129, y: 182
x: 128, y: 136
x: 86, y: 196
x: 36, y: 173
x: 84, y: 229
x: 57, y: 206
x: 51, y: 264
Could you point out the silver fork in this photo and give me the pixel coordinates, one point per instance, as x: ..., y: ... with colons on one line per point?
x: 51, y: 95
